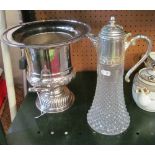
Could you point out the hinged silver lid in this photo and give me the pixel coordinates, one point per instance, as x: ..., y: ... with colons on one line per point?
x: 112, y: 30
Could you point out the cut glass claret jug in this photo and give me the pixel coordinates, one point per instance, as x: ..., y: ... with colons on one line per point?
x: 108, y: 114
x: 46, y: 45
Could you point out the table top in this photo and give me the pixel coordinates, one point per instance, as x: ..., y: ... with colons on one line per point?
x: 71, y: 127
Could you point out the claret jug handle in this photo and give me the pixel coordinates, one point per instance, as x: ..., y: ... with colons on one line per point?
x: 132, y: 42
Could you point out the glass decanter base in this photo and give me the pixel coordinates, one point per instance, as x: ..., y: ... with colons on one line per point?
x: 108, y: 114
x: 110, y: 125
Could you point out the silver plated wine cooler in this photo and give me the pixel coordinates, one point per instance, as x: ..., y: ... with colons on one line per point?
x: 47, y: 50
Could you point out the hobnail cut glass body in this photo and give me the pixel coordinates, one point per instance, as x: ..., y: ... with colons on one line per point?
x: 108, y: 114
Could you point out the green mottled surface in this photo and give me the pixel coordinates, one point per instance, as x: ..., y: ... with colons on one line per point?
x: 25, y: 129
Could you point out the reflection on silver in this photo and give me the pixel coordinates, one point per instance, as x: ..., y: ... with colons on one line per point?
x: 45, y: 66
x: 49, y: 69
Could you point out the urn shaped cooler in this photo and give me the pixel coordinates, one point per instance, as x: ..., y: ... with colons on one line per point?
x: 47, y: 50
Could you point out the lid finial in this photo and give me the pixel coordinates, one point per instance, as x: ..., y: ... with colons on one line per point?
x: 112, y: 20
